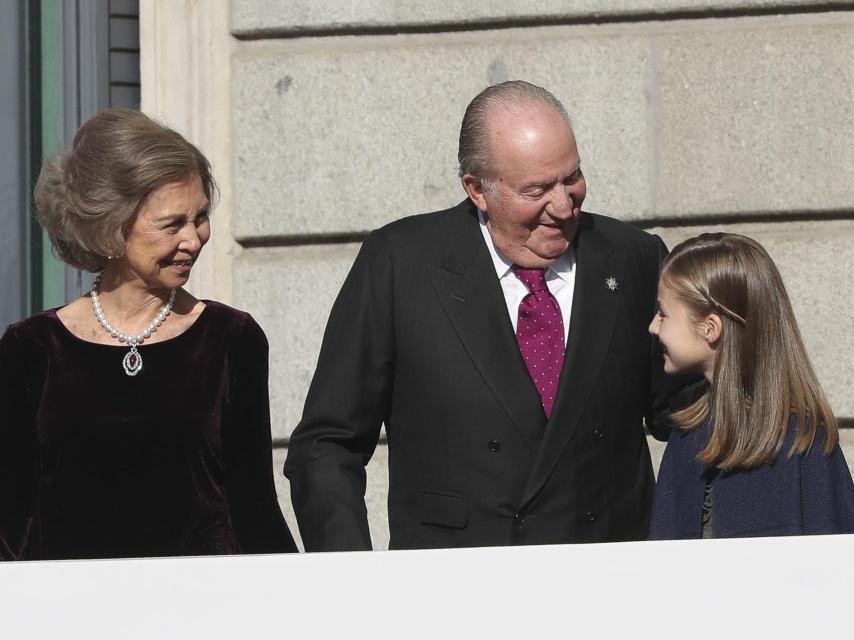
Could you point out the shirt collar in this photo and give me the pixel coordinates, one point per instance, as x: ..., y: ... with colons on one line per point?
x: 562, y: 267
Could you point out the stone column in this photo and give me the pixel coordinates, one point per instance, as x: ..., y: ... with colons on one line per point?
x: 185, y: 74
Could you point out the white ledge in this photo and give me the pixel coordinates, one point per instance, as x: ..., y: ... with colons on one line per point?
x: 771, y: 587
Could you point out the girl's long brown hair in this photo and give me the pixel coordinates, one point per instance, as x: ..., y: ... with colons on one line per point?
x: 762, y: 373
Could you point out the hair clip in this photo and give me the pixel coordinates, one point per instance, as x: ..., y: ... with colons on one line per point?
x: 722, y: 308
x: 611, y: 283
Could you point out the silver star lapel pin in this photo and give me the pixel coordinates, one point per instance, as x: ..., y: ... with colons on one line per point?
x: 611, y: 283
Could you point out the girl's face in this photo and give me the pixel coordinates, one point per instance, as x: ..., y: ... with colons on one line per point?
x: 684, y: 341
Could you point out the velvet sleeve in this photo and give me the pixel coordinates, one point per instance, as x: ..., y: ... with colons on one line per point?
x: 247, y: 448
x: 18, y: 459
x: 347, y: 402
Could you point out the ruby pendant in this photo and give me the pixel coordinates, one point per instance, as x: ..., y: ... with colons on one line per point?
x: 132, y: 362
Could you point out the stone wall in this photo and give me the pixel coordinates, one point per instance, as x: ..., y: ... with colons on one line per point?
x: 326, y: 119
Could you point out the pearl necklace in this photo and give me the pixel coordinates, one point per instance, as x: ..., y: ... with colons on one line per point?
x: 132, y: 362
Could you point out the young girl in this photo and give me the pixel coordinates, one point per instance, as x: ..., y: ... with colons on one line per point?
x: 757, y: 453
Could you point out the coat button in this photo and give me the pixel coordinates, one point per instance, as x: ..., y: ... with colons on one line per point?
x: 519, y: 519
x: 494, y: 446
x: 591, y: 517
x: 598, y: 434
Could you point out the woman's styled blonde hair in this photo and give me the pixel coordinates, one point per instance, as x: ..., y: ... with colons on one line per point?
x: 87, y: 199
x: 762, y: 373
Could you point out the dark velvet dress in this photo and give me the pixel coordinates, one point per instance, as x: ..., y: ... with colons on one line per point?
x: 174, y: 461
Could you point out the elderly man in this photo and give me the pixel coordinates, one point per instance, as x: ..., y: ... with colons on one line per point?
x: 503, y: 343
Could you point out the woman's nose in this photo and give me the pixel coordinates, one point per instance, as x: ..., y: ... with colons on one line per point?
x: 190, y: 242
x: 653, y: 326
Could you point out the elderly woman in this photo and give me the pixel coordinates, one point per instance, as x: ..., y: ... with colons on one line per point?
x: 135, y: 420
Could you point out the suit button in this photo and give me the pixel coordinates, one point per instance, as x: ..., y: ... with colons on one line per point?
x: 591, y: 517
x: 519, y: 519
x: 598, y: 434
x: 494, y: 446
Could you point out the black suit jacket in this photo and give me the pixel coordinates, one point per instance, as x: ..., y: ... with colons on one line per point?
x: 419, y: 339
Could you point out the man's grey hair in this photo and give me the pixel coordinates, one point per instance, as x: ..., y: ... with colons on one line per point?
x: 473, y: 153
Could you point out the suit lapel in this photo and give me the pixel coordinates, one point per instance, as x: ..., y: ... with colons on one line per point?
x: 594, y: 312
x: 471, y: 296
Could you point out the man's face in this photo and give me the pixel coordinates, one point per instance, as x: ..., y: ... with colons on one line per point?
x: 533, y: 206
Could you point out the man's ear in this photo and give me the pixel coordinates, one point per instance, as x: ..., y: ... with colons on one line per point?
x: 474, y: 189
x: 713, y: 327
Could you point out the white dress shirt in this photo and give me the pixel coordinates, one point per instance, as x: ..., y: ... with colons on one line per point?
x: 560, y: 279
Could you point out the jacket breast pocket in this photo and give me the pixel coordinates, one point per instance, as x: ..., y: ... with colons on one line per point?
x: 443, y: 509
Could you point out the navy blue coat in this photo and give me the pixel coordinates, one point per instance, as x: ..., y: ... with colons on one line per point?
x: 809, y: 493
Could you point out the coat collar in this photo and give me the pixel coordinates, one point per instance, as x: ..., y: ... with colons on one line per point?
x: 595, y: 307
x: 469, y: 291
x: 471, y: 296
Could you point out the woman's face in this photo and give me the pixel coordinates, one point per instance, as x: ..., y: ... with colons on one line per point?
x: 168, y: 235
x: 686, y: 349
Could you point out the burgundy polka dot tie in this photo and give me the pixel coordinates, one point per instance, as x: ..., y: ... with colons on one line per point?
x: 539, y: 332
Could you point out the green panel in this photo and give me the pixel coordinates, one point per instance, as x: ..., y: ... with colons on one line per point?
x: 52, y: 269
x: 31, y: 229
